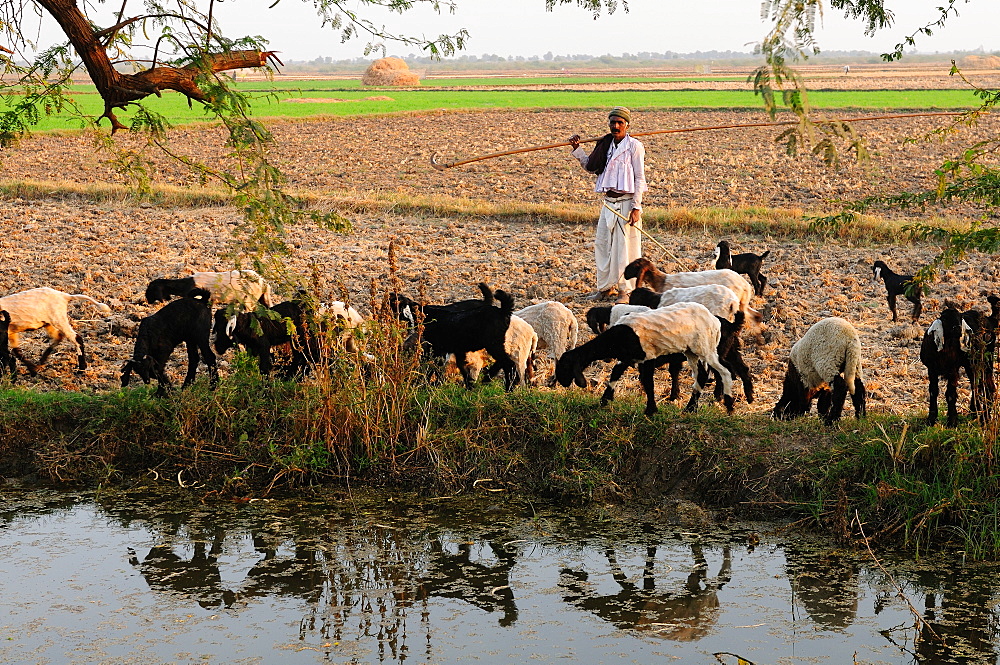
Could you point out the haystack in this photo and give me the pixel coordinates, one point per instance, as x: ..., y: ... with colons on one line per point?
x: 389, y: 71
x: 980, y: 62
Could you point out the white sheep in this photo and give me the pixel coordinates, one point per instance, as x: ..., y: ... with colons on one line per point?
x: 244, y: 287
x: 520, y: 343
x: 646, y: 274
x: 555, y: 324
x: 649, y: 339
x: 44, y: 308
x: 719, y: 299
x: 825, y: 364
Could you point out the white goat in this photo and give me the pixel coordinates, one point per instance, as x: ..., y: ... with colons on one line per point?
x: 44, y: 308
x: 245, y: 287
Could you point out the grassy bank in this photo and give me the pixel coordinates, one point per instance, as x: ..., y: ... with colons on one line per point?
x: 908, y: 485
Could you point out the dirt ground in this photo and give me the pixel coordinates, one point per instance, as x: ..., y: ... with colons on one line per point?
x: 111, y: 252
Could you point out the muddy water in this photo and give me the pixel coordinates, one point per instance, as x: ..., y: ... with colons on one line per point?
x: 349, y: 578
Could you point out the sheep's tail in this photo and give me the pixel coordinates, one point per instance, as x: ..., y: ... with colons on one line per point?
x: 574, y: 332
x: 764, y: 255
x: 101, y: 307
x: 852, y: 365
x: 487, y: 293
x: 506, y: 301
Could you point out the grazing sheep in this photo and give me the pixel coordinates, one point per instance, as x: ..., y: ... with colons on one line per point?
x: 7, y: 361
x: 747, y: 264
x: 944, y: 351
x: 188, y: 320
x: 245, y: 287
x: 827, y: 357
x: 47, y: 309
x: 520, y: 343
x: 898, y: 285
x: 649, y: 339
x: 646, y: 274
x: 555, y: 324
x: 720, y: 300
x: 285, y: 323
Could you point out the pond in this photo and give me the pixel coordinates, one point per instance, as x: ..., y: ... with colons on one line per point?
x: 341, y: 577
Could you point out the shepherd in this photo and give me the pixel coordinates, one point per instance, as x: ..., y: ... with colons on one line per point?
x: 619, y: 162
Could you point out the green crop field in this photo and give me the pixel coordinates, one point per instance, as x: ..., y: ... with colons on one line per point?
x: 333, y: 98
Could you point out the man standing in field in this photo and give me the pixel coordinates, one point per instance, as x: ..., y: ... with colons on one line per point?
x: 619, y: 162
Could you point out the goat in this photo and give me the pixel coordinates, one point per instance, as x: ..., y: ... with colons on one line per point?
x: 7, y: 361
x: 188, y: 320
x: 462, y: 327
x: 232, y: 286
x: 747, y: 264
x: 44, y: 308
x: 944, y: 351
x: 898, y: 285
x: 284, y: 323
x: 649, y: 339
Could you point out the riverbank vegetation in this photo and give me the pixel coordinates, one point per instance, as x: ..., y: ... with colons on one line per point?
x: 381, y: 422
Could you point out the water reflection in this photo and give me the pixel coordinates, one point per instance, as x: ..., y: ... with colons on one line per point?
x: 681, y: 614
x: 825, y: 583
x: 382, y: 579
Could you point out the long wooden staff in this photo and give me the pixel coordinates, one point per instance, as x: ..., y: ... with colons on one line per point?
x: 441, y: 166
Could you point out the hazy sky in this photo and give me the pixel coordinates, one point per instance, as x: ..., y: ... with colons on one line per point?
x: 523, y: 27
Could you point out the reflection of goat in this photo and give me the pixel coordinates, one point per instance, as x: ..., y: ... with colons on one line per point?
x: 485, y: 585
x: 198, y: 577
x: 676, y: 616
x: 826, y: 585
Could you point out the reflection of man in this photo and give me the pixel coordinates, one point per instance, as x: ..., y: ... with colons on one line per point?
x: 619, y: 162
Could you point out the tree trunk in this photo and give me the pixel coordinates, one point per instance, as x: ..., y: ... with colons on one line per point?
x: 118, y: 89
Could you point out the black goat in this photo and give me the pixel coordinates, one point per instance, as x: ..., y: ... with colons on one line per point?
x: 7, y: 362
x: 188, y: 320
x: 974, y: 351
x: 285, y: 323
x: 898, y: 285
x: 747, y: 264
x: 944, y: 351
x: 462, y: 327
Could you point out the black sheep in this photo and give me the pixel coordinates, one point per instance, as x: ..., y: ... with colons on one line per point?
x: 188, y: 320
x: 747, y: 264
x: 898, y: 285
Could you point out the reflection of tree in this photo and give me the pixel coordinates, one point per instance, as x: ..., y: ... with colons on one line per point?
x: 684, y: 615
x: 825, y: 584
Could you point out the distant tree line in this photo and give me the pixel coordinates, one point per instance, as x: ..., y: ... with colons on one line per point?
x: 552, y: 62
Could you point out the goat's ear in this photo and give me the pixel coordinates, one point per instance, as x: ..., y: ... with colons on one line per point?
x: 936, y: 331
